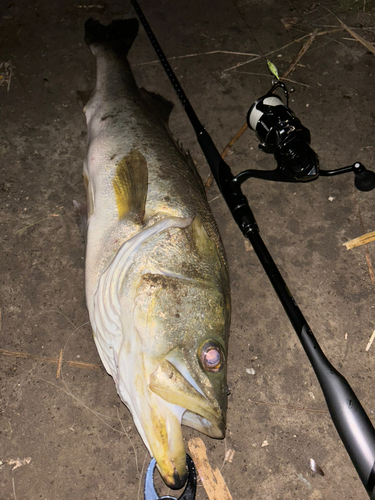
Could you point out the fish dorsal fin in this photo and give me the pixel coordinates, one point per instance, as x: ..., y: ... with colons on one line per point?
x: 162, y: 106
x: 130, y: 184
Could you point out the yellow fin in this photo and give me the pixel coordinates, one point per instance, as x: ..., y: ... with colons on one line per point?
x: 130, y: 185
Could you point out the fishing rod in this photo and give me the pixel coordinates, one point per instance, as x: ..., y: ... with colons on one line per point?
x: 282, y: 134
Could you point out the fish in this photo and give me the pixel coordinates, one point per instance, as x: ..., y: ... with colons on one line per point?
x: 156, y: 275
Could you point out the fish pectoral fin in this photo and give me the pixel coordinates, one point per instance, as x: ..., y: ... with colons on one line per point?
x: 130, y: 184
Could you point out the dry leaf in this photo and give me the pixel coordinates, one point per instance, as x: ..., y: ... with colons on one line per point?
x: 289, y: 22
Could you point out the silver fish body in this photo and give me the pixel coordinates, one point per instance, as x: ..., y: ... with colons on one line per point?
x: 157, y: 285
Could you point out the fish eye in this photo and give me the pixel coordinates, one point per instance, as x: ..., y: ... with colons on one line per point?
x: 211, y: 356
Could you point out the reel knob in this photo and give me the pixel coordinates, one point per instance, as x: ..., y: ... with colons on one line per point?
x: 364, y: 179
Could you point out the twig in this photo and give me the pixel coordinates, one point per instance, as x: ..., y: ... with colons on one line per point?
x: 198, y: 54
x: 361, y: 40
x: 369, y: 265
x: 63, y: 315
x: 301, y: 53
x: 14, y: 489
x: 45, y: 359
x: 238, y: 65
x: 269, y: 76
x: 299, y: 408
x: 233, y: 141
x: 59, y: 363
x: 38, y: 221
x: 224, y: 154
x: 361, y: 240
x: 268, y: 53
x: 8, y: 87
x: 209, y: 180
x: 370, y: 341
x: 212, y: 480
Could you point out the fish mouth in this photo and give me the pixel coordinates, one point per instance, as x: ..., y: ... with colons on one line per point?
x: 183, y: 403
x: 176, y: 386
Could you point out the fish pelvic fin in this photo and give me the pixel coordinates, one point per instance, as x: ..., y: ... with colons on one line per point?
x: 119, y: 35
x: 81, y: 218
x: 130, y: 185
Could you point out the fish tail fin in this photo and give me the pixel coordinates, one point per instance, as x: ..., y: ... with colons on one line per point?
x: 119, y: 35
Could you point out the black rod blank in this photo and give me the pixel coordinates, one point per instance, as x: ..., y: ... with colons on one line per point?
x: 350, y: 419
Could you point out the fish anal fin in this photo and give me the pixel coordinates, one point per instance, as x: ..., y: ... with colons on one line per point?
x: 130, y: 184
x: 83, y: 97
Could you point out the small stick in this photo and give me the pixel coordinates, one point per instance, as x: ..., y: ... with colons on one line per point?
x: 14, y: 489
x: 229, y: 455
x: 301, y: 53
x: 361, y: 40
x: 355, y: 35
x: 268, y: 76
x: 44, y: 359
x: 225, y: 152
x: 8, y: 87
x: 369, y: 265
x: 198, y: 54
x: 298, y: 408
x: 212, y: 480
x: 370, y: 341
x: 59, y: 363
x: 39, y: 221
x: 361, y: 240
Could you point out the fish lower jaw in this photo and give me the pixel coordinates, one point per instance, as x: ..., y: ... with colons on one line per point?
x: 203, y: 425
x: 176, y: 480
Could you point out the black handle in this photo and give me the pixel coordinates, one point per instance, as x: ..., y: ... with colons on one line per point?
x: 350, y: 419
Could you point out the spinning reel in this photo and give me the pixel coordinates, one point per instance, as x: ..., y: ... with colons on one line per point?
x: 282, y: 134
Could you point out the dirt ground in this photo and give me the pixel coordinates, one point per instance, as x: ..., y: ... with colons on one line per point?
x: 70, y: 437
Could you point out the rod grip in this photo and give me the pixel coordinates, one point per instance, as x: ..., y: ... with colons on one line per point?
x: 349, y: 417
